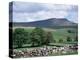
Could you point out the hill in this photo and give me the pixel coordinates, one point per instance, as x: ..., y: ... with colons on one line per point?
x: 50, y: 23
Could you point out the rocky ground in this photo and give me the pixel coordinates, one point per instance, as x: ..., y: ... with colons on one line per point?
x: 44, y: 51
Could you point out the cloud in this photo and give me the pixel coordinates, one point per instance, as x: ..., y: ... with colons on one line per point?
x: 73, y: 16
x: 38, y: 16
x: 27, y: 12
x: 27, y: 7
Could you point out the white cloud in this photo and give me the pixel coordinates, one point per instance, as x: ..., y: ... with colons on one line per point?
x: 38, y: 15
x: 32, y: 12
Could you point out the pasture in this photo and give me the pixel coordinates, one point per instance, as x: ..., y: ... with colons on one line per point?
x: 61, y: 33
x: 68, y: 48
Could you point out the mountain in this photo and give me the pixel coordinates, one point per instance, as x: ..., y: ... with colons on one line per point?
x: 52, y: 22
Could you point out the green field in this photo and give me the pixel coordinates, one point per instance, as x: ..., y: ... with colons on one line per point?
x: 58, y: 33
x: 62, y: 34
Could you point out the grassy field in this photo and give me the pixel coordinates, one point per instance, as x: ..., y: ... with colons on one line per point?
x: 62, y: 34
x: 57, y: 33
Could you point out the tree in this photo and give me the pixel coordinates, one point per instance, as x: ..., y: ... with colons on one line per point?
x: 69, y: 31
x: 19, y: 36
x: 49, y: 38
x: 37, y: 36
x: 40, y: 37
x: 34, y: 39
x: 25, y: 37
x: 69, y: 39
x: 60, y: 40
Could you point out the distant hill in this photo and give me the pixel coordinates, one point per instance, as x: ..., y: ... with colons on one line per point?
x: 52, y: 23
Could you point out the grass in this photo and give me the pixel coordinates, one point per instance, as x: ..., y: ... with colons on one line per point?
x: 63, y: 34
x: 59, y: 33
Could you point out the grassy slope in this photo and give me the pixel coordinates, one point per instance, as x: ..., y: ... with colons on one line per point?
x: 62, y: 34
x: 57, y: 33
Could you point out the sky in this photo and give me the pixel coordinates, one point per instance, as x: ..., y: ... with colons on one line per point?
x: 28, y: 12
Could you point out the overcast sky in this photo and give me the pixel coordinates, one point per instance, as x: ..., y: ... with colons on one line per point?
x: 27, y: 12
